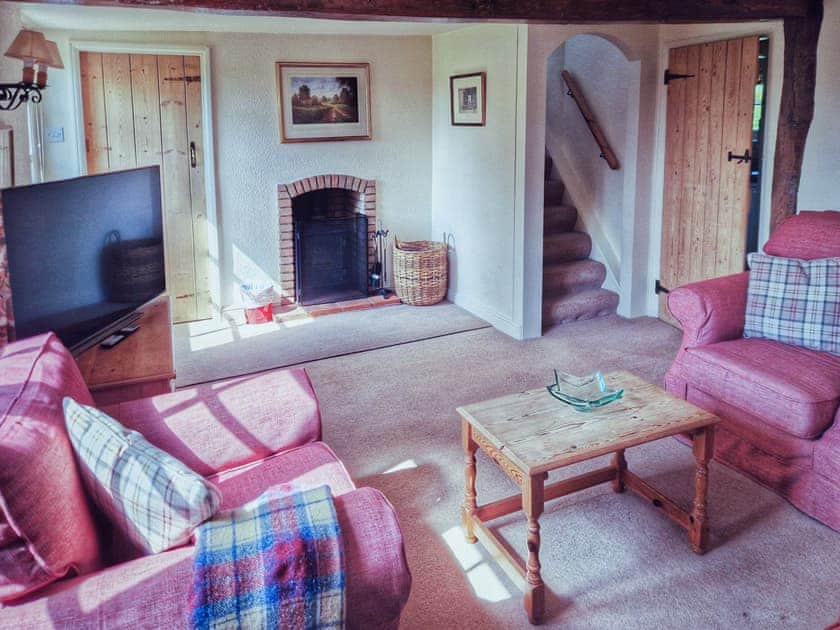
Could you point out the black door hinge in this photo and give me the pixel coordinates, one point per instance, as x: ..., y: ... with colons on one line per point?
x: 188, y: 79
x: 673, y: 76
x: 658, y: 288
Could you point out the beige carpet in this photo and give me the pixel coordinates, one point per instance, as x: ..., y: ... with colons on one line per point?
x: 224, y: 347
x: 609, y: 561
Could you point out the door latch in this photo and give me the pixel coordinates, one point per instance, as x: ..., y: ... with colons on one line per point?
x: 740, y: 159
x: 192, y: 155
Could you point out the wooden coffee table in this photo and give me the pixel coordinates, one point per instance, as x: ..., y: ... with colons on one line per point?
x: 532, y: 433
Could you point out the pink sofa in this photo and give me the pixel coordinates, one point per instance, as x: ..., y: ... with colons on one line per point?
x: 244, y: 434
x: 779, y: 402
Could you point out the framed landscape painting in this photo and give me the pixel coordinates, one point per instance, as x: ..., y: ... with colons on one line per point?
x: 467, y: 93
x: 323, y: 101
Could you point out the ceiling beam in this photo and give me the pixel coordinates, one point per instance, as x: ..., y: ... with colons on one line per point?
x: 539, y: 11
x: 795, y: 113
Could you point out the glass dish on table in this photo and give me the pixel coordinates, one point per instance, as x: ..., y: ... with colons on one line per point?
x: 583, y: 393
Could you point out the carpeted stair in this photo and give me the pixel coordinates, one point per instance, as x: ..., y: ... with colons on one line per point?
x: 571, y: 280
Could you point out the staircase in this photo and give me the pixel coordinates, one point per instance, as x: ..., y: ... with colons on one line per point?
x: 571, y: 280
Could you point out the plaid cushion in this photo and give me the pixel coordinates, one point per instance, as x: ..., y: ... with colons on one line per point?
x: 794, y: 301
x: 154, y: 498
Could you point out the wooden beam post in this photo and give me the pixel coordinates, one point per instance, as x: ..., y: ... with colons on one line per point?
x: 546, y: 11
x: 796, y: 112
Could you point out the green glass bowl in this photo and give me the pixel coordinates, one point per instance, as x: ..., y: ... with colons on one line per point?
x: 583, y: 393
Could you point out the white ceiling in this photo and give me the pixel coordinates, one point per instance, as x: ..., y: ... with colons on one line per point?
x: 93, y: 18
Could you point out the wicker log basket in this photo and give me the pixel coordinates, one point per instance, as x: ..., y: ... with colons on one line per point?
x: 420, y: 271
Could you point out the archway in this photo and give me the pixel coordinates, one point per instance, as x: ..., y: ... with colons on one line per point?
x: 587, y: 245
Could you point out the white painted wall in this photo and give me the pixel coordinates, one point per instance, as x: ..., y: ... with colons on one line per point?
x: 474, y: 174
x: 10, y: 71
x: 819, y: 189
x: 251, y: 161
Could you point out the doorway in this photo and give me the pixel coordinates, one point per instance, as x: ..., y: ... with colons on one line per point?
x: 146, y: 109
x: 714, y: 129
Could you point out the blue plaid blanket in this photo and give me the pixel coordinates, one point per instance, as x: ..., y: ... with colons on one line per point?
x: 276, y: 562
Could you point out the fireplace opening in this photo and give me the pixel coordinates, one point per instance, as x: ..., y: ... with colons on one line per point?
x: 331, y: 246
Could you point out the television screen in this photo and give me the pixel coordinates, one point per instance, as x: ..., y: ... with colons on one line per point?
x: 84, y: 252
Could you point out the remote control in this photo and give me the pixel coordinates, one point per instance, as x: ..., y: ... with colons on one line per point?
x: 112, y: 341
x: 128, y: 329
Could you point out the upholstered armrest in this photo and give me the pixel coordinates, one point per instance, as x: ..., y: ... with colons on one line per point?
x: 378, y: 577
x: 153, y: 591
x: 710, y: 311
x: 220, y: 425
x: 827, y: 451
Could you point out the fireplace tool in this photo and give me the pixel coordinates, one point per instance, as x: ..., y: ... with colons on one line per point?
x: 379, y: 269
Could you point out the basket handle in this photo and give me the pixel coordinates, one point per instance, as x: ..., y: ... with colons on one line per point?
x: 396, y: 242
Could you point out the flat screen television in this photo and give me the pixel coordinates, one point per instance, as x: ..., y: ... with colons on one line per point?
x: 84, y: 253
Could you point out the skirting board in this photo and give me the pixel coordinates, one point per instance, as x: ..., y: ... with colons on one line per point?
x: 498, y: 320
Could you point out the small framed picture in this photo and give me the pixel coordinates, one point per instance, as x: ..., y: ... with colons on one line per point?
x: 467, y: 93
x: 320, y: 102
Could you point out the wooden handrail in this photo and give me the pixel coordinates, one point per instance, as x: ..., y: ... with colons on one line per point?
x: 575, y: 92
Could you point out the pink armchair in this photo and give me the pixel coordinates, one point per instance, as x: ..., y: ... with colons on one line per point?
x: 779, y: 402
x: 62, y: 565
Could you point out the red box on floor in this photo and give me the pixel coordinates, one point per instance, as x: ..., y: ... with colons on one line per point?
x: 259, y: 314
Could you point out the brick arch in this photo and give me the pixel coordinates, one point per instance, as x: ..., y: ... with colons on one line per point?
x: 319, y: 182
x: 365, y: 203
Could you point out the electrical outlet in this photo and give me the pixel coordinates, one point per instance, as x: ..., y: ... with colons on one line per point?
x: 55, y: 134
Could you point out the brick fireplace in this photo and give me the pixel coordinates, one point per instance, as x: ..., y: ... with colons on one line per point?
x: 341, y: 191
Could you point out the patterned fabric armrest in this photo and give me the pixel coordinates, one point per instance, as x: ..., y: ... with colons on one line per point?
x: 217, y: 426
x: 710, y: 311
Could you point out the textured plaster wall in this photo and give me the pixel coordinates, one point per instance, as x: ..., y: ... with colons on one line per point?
x: 604, y: 76
x: 10, y: 70
x: 474, y: 174
x: 250, y: 159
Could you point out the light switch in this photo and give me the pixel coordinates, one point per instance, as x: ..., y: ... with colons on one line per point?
x: 55, y: 134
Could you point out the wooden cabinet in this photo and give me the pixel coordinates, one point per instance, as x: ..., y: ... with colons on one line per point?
x: 141, y: 365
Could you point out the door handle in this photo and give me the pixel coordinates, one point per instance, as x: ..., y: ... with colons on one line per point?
x: 739, y: 159
x: 192, y: 154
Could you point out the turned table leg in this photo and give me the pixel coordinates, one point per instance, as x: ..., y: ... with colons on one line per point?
x: 532, y: 504
x: 620, y: 465
x: 468, y: 510
x: 698, y: 534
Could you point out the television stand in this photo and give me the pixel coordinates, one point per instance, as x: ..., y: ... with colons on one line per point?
x: 106, y: 332
x: 140, y: 366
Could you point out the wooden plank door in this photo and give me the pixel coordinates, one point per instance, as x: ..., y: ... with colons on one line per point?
x: 707, y: 189
x: 142, y: 110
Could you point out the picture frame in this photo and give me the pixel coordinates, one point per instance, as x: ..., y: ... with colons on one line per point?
x: 468, y: 99
x: 323, y: 102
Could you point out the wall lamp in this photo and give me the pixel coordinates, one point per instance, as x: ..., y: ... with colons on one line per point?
x: 33, y: 49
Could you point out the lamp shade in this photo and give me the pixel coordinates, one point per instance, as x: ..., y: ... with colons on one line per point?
x: 55, y: 56
x: 30, y: 46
